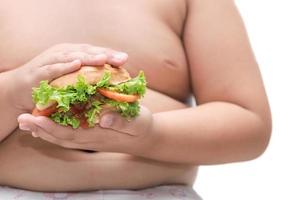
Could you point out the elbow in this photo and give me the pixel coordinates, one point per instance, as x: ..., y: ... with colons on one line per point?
x: 261, y: 138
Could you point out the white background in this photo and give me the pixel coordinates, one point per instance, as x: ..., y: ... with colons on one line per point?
x: 274, y: 30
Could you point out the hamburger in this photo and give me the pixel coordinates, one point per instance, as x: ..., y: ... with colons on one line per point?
x: 79, y: 98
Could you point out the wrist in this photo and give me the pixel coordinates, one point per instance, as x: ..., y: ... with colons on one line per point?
x: 148, y: 141
x: 10, y: 92
x: 138, y: 144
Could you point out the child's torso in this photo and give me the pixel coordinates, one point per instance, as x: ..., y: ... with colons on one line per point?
x: 149, y: 31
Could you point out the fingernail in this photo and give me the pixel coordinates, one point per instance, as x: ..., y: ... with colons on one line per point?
x: 24, y: 127
x: 107, y: 121
x: 120, y: 56
x: 34, y: 134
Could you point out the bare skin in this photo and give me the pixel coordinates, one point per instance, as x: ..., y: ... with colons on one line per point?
x: 32, y: 163
x: 229, y: 124
x: 35, y: 159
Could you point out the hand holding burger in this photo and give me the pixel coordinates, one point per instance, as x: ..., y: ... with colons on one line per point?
x: 101, y: 95
x: 118, y: 94
x: 54, y: 62
x: 78, y: 98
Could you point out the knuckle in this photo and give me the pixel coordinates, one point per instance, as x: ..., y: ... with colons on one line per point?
x: 34, y: 76
x: 85, y: 47
x: 81, y: 56
x: 48, y: 71
x: 54, y: 57
x: 86, y: 57
x: 48, y: 58
x: 77, y: 55
x: 64, y: 56
x: 109, y: 50
x: 61, y: 57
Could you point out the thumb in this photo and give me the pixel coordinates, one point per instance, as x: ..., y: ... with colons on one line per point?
x: 134, y: 126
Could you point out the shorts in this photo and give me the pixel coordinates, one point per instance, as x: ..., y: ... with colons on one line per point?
x: 168, y: 192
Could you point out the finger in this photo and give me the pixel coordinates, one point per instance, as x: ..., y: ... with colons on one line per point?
x: 77, y: 47
x: 85, y: 58
x: 132, y: 127
x: 30, y: 127
x: 31, y: 123
x: 49, y: 58
x: 63, y: 136
x: 55, y: 130
x: 50, y: 72
x: 26, y: 122
x: 43, y: 134
x: 47, y: 137
x: 115, y: 58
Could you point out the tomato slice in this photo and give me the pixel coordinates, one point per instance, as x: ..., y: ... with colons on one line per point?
x: 84, y: 123
x: 46, y: 112
x: 118, y: 96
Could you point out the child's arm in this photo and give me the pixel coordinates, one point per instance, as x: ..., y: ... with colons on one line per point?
x: 232, y: 121
x: 8, y: 112
x: 16, y: 85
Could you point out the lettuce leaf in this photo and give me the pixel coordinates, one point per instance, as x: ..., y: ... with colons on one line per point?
x: 136, y: 85
x: 64, y: 97
x: 104, y: 82
x: 127, y: 110
x: 83, y: 90
x: 42, y: 94
x: 93, y: 112
x: 65, y: 119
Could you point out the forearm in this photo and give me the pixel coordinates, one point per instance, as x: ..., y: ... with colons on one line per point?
x: 79, y: 170
x: 9, y: 113
x: 212, y: 133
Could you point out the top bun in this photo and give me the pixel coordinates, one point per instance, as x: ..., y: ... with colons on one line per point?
x: 92, y: 75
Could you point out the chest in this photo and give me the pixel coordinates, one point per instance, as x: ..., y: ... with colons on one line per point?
x: 149, y: 31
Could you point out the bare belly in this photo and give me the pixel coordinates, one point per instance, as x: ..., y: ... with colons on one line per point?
x: 34, y: 164
x: 149, y: 31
